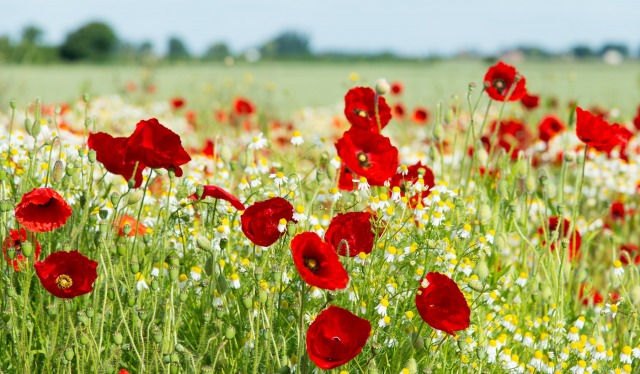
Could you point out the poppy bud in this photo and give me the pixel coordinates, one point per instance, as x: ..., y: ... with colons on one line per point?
x: 481, y: 353
x: 471, y: 87
x: 412, y: 365
x: 222, y: 284
x: 449, y: 116
x: 27, y: 249
x: 530, y: 184
x: 111, y: 294
x: 174, y: 357
x: 27, y: 126
x: 438, y: 132
x: 84, y: 340
x: 569, y: 156
x: 11, y: 253
x: 230, y: 332
x: 70, y: 170
x: 262, y: 297
x: 131, y: 183
x: 284, y: 370
x: 82, y: 317
x: 92, y: 156
x: 131, y: 301
x: 417, y: 341
x: 180, y: 347
x: 225, y: 153
x: 220, y: 312
x: 86, y: 97
x: 203, y: 243
x: 172, y: 173
x: 12, y: 103
x: 11, y: 291
x: 117, y: 338
x: 382, y: 87
x: 58, y: 171
x: 142, y: 314
x: 476, y: 285
x: 481, y: 269
x: 68, y: 354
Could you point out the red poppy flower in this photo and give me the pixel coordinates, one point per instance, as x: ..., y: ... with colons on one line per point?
x: 368, y: 154
x: 242, y: 106
x: 617, y: 211
x: 530, y: 102
x: 260, y: 220
x: 156, y: 146
x: 317, y: 262
x: 110, y: 152
x: 67, y: 274
x: 405, y: 181
x: 42, y: 209
x: 499, y: 81
x: 549, y: 127
x: 335, y: 337
x: 137, y: 228
x: 354, y: 229
x: 177, y: 103
x: 219, y: 193
x: 360, y: 109
x: 513, y: 136
x: 420, y: 115
x: 594, y: 131
x: 441, y: 304
x: 397, y: 88
x: 629, y: 253
x: 123, y: 371
x: 594, y: 298
x: 563, y: 232
x: 346, y: 178
x: 636, y: 119
x: 209, y: 148
x: 15, y: 240
x: 398, y: 111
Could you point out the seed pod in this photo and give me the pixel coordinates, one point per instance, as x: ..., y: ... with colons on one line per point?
x: 117, y: 338
x: 230, y: 332
x: 382, y: 87
x: 27, y: 249
x: 68, y: 354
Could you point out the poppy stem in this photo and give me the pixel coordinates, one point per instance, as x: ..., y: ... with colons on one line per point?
x: 376, y: 97
x: 301, y: 333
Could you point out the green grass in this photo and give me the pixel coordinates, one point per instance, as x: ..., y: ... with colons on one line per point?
x: 304, y: 84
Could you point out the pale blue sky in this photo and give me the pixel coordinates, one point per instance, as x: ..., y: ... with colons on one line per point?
x: 410, y: 27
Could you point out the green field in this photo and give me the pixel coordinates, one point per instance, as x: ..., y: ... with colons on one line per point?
x: 291, y: 85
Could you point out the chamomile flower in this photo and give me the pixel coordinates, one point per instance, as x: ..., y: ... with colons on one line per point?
x: 141, y: 283
x: 396, y: 194
x: 363, y: 184
x: 625, y: 355
x: 384, y: 321
x: 403, y: 170
x: 279, y: 178
x: 196, y: 273
x: 600, y: 352
x: 382, y: 306
x: 390, y: 254
x: 611, y: 308
x: 258, y: 142
x: 579, y: 323
x: 244, y: 184
x: 617, y: 268
x: 579, y: 368
x: 297, y: 138
x: 254, y: 182
x: 573, y: 334
x: 282, y: 225
x: 299, y: 215
x: 336, y: 162
x: 522, y: 279
x: 335, y: 194
x: 235, y: 281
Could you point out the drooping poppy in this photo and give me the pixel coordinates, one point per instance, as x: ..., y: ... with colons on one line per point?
x: 111, y: 151
x: 156, y: 147
x: 500, y: 79
x: 219, y: 193
x: 317, y: 262
x: 404, y: 181
x: 351, y: 233
x: 260, y: 221
x: 42, y: 209
x: 441, y: 304
x: 335, y: 337
x: 594, y: 131
x: 360, y: 109
x: 15, y: 239
x: 67, y: 274
x: 368, y: 154
x: 563, y: 233
x: 629, y: 254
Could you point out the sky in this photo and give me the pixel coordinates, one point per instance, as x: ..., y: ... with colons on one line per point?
x: 407, y: 27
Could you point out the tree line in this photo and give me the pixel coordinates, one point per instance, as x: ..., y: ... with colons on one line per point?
x: 97, y: 42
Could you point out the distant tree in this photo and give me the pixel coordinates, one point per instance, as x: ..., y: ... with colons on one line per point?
x: 5, y: 48
x: 582, y: 51
x: 217, y: 51
x: 618, y: 47
x: 287, y: 44
x: 145, y: 49
x: 94, y: 41
x: 32, y: 35
x: 177, y: 50
x: 533, y: 51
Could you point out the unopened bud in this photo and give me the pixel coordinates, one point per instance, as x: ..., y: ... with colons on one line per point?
x: 27, y: 249
x: 530, y: 184
x: 569, y: 156
x: 382, y: 87
x: 484, y: 212
x: 58, y: 171
x: 438, y: 132
x: 203, y: 243
x: 11, y: 253
x: 199, y: 191
x: 92, y: 156
x: 12, y: 103
x: 135, y: 197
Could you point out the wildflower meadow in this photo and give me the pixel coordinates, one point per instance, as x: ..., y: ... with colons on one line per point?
x: 496, y: 232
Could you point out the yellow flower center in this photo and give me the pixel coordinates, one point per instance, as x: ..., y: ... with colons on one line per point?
x: 64, y: 281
